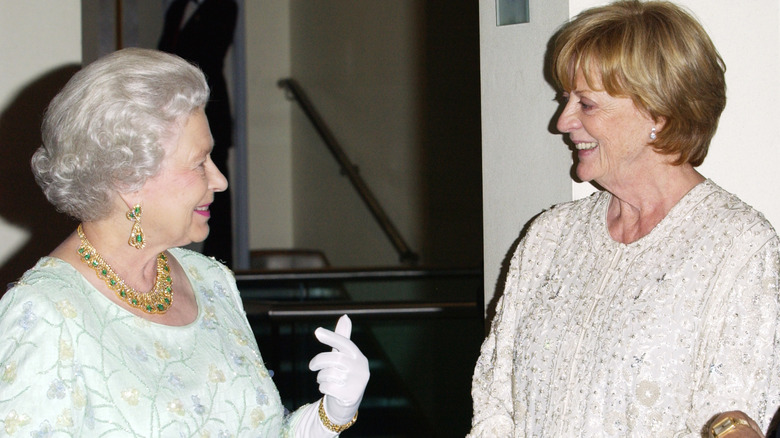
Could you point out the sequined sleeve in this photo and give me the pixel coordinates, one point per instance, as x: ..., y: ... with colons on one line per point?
x: 740, y: 368
x: 492, y: 387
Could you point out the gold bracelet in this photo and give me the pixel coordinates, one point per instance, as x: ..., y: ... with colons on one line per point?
x: 335, y: 428
x: 726, y: 426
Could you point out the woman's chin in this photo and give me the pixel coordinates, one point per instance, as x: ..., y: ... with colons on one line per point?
x: 201, y: 233
x: 199, y: 239
x: 583, y: 175
x: 194, y: 238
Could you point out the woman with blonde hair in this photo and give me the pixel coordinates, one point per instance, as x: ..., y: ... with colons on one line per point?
x: 651, y: 307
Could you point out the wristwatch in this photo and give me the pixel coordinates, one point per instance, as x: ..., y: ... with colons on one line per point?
x: 725, y: 426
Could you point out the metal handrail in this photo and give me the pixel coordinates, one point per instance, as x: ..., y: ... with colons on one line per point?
x: 277, y: 311
x: 296, y: 92
x: 261, y: 306
x: 353, y: 274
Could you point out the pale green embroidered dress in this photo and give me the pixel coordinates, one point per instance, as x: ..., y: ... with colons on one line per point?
x: 72, y: 363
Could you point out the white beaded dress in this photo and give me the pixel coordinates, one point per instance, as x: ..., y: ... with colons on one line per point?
x: 74, y: 364
x: 597, y: 338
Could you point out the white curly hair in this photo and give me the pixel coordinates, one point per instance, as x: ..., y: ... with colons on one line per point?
x: 104, y: 131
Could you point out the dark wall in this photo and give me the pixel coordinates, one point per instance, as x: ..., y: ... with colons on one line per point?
x: 451, y: 137
x: 398, y: 84
x: 21, y: 201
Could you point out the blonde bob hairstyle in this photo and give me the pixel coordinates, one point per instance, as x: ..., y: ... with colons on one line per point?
x: 658, y: 55
x: 104, y: 131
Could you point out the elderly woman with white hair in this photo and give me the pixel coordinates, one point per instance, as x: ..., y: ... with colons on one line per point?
x: 118, y: 332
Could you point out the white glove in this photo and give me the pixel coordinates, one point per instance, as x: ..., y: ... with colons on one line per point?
x: 343, y: 372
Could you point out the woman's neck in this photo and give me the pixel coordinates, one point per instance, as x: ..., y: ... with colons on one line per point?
x: 640, y: 204
x: 136, y: 268
x: 109, y: 238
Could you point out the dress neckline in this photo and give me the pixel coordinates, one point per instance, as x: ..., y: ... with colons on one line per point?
x: 93, y: 291
x: 600, y: 229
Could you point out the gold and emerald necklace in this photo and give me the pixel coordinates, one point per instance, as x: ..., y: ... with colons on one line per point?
x: 157, y: 300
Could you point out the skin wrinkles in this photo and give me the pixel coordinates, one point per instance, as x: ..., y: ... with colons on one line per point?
x: 615, y: 151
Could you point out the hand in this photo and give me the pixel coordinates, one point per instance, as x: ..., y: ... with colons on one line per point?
x: 751, y: 430
x: 343, y: 372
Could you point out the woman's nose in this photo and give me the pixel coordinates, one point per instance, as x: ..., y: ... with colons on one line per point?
x: 567, y: 120
x: 217, y: 180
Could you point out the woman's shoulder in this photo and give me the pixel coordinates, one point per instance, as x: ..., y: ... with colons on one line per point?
x: 45, y: 296
x: 206, y: 274
x: 190, y: 257
x: 48, y: 269
x: 572, y: 213
x: 198, y: 266
x: 50, y: 280
x: 580, y: 206
x: 725, y: 210
x: 565, y: 222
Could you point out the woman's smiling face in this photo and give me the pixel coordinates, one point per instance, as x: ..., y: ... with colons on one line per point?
x: 176, y: 201
x: 610, y: 133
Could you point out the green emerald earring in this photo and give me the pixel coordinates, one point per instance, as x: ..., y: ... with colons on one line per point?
x: 137, y: 239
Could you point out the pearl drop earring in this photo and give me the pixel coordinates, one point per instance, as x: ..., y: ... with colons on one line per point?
x: 652, y: 134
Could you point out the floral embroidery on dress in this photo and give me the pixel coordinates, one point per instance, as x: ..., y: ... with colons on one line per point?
x: 44, y: 431
x: 219, y: 289
x: 258, y: 416
x: 261, y: 397
x: 66, y: 351
x: 176, y: 407
x: 139, y: 353
x: 207, y: 293
x: 79, y: 399
x: 238, y: 359
x: 161, y: 351
x: 239, y: 337
x: 216, y: 375
x: 194, y: 273
x: 66, y: 309
x: 9, y: 372
x: 28, y: 318
x: 198, y: 408
x: 130, y: 396
x: 100, y: 370
x: 13, y: 421
x: 65, y: 419
x: 209, y: 318
x: 56, y: 389
x: 49, y: 262
x: 175, y: 381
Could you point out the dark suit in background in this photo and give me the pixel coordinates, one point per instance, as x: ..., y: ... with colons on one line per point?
x: 204, y: 40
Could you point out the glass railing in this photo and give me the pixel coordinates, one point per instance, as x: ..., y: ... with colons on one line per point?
x: 420, y: 329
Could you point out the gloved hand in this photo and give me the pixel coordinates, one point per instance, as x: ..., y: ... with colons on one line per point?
x: 343, y: 372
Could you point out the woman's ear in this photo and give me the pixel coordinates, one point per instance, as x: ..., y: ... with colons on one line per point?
x: 130, y: 200
x: 660, y: 122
